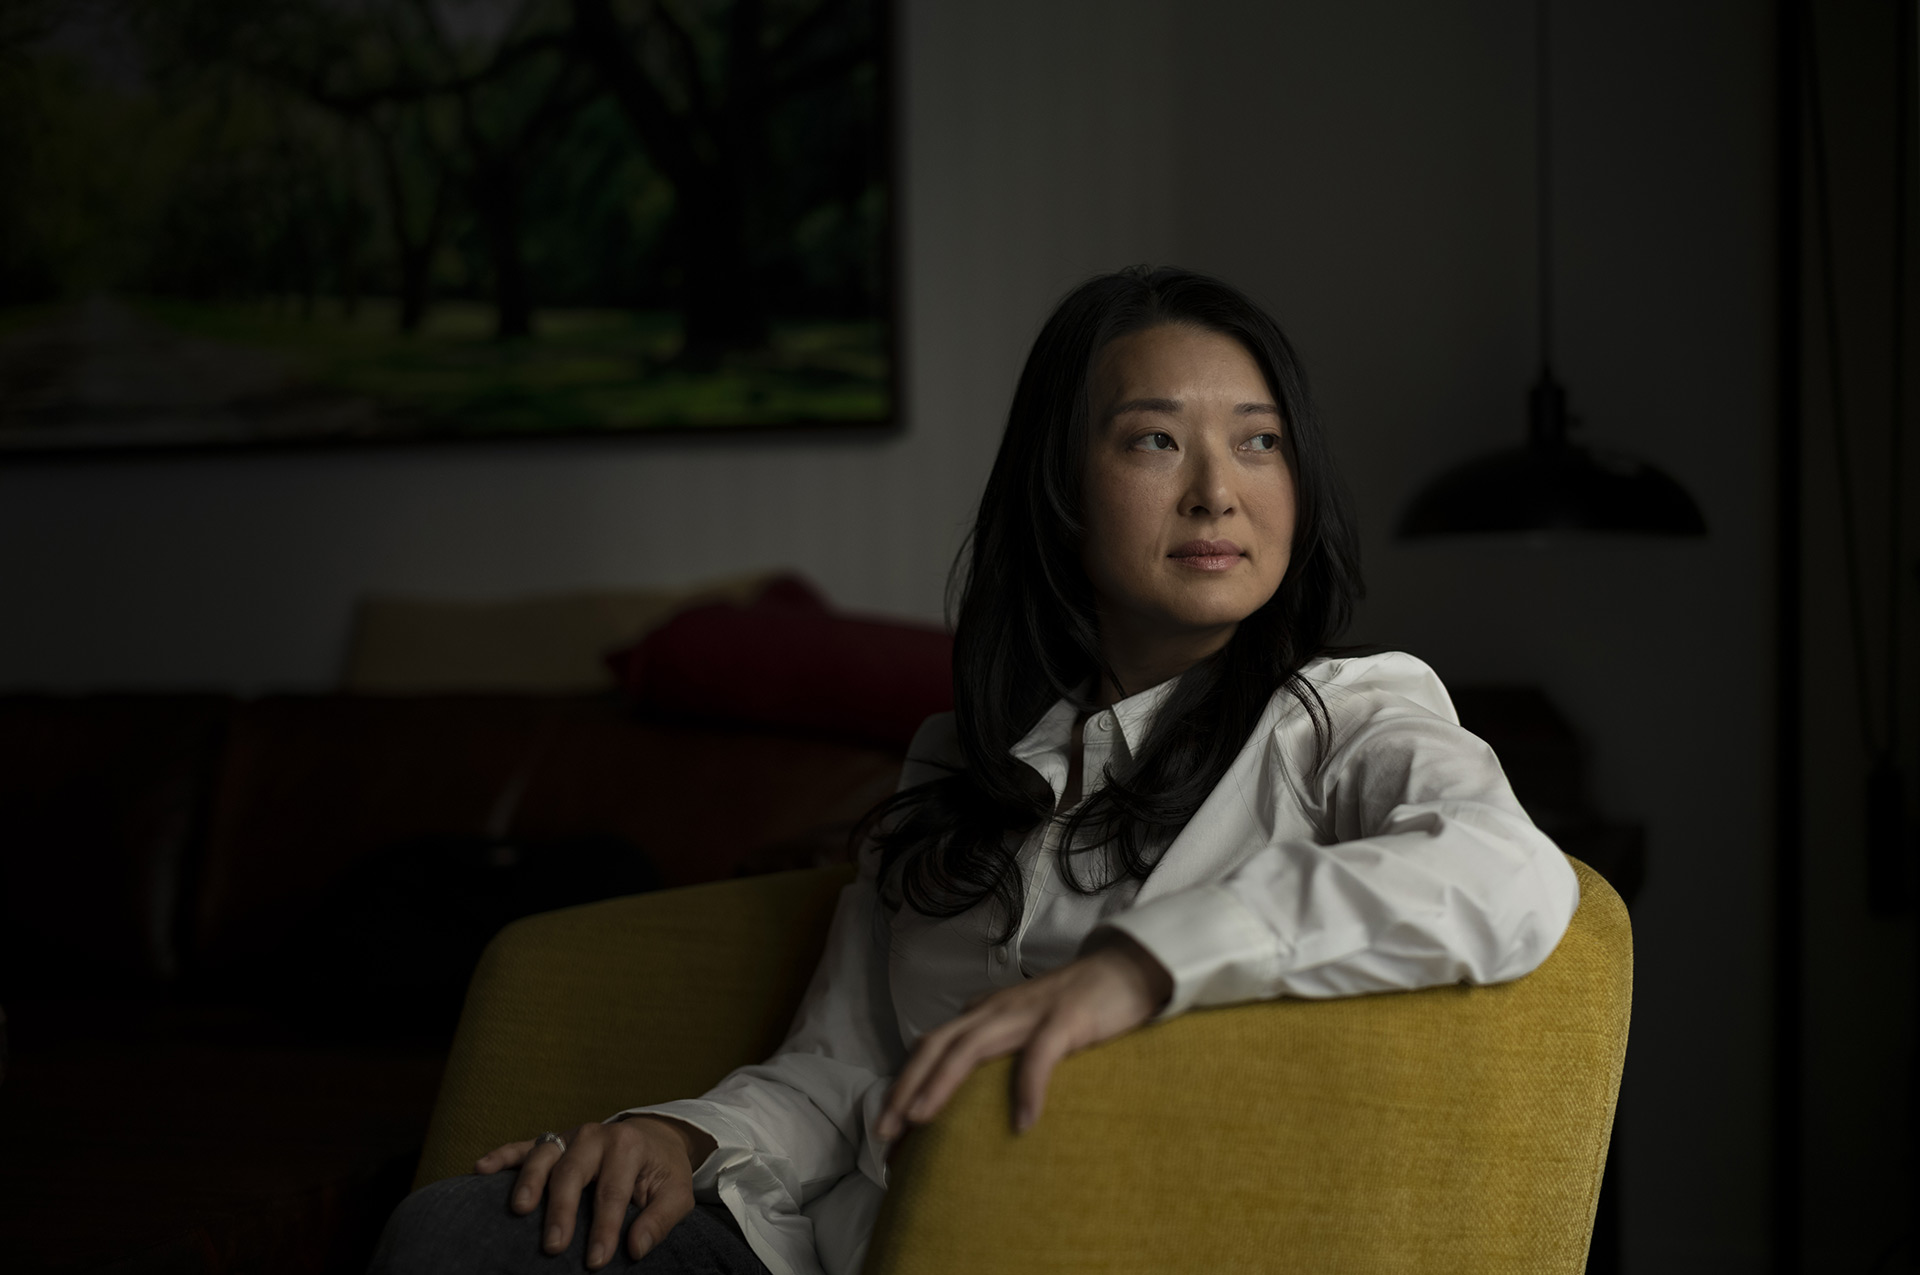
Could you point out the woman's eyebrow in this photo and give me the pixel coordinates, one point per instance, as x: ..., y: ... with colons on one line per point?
x: 1167, y: 406
x: 1171, y: 406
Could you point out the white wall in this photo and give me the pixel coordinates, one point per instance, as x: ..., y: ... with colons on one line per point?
x: 1365, y: 168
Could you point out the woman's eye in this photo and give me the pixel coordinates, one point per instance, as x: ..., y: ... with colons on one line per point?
x: 1264, y: 442
x: 1154, y: 442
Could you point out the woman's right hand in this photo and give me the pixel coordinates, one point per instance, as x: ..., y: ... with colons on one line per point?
x: 646, y: 1159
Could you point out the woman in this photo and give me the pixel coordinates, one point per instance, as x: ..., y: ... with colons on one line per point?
x: 1158, y: 790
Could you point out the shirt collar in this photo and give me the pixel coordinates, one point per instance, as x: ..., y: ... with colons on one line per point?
x: 1133, y: 719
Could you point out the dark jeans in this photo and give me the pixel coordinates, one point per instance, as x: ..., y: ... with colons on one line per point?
x: 462, y: 1226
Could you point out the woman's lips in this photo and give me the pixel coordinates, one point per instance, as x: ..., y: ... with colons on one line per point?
x: 1207, y: 555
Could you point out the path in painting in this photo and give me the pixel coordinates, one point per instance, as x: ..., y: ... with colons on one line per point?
x: 98, y: 374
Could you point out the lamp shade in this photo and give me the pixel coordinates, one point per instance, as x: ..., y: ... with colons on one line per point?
x: 1552, y: 484
x: 1565, y: 488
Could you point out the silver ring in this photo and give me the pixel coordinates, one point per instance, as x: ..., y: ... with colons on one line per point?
x: 554, y: 1138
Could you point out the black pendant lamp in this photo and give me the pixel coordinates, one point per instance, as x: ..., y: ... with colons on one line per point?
x: 1551, y: 483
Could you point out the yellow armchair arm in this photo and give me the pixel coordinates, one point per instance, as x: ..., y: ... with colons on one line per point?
x: 573, y: 1015
x: 1458, y: 1129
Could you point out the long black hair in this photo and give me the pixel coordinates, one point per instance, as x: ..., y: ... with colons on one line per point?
x: 1027, y: 635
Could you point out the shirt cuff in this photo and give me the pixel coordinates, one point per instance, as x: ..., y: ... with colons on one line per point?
x: 1217, y: 950
x: 702, y: 1117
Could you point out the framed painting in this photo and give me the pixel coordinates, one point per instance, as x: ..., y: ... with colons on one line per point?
x: 259, y: 222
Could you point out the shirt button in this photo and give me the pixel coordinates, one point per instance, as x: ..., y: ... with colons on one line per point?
x: 999, y: 956
x: 1103, y: 723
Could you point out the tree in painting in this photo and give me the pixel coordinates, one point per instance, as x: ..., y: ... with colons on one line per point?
x: 408, y: 218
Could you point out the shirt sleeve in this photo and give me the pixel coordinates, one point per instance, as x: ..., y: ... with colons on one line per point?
x: 786, y: 1130
x: 1430, y: 873
x: 789, y: 1128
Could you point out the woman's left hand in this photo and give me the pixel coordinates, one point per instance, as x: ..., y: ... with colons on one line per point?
x: 1105, y: 993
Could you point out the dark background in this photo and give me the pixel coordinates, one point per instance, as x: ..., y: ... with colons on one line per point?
x: 1368, y: 170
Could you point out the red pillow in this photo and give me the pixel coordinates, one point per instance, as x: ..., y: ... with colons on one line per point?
x: 790, y: 591
x: 788, y: 663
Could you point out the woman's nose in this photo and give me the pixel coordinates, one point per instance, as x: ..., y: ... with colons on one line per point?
x: 1209, y: 490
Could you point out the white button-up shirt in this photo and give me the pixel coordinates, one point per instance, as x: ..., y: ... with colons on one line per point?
x: 1400, y: 860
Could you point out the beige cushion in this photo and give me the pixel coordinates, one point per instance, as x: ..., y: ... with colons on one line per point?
x: 549, y: 643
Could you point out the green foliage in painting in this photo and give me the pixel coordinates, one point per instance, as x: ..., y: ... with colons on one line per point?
x: 305, y: 219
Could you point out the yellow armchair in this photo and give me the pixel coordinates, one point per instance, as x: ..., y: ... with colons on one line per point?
x: 1453, y: 1129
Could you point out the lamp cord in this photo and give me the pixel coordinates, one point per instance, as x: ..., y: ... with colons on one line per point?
x: 1878, y: 748
x: 1897, y: 386
x: 1543, y: 178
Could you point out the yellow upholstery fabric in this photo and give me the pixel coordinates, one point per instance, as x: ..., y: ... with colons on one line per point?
x: 573, y: 1015
x: 1453, y: 1129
